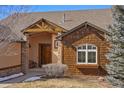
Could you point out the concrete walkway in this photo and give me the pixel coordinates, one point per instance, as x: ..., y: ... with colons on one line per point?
x: 21, y: 78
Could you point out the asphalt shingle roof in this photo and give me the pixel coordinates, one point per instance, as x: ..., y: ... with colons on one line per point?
x: 66, y: 19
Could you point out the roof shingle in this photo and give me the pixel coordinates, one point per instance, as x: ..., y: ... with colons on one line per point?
x: 66, y: 19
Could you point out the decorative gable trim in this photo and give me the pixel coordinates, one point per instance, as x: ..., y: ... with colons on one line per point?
x: 80, y: 32
x: 43, y: 25
x: 100, y: 30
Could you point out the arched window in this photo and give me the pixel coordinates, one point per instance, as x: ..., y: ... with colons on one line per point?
x: 87, y: 54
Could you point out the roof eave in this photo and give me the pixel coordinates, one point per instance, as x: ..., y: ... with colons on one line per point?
x: 85, y: 23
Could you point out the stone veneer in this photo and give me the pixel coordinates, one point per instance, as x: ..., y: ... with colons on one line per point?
x: 24, y: 57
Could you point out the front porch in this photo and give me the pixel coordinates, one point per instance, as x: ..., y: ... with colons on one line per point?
x: 40, y: 47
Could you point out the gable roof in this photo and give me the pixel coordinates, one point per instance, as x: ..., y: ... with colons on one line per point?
x: 46, y: 21
x: 65, y: 19
x: 83, y: 24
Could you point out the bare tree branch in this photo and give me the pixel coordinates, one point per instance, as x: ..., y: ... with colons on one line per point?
x: 7, y: 35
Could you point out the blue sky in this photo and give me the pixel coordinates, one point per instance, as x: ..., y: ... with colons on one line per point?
x: 46, y: 8
x: 68, y: 7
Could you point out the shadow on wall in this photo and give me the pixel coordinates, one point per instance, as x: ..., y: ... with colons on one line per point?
x: 93, y: 71
x: 55, y: 57
x: 32, y: 64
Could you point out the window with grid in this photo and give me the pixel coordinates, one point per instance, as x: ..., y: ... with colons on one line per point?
x: 87, y: 54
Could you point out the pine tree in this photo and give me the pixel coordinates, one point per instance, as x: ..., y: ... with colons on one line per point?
x: 115, y: 36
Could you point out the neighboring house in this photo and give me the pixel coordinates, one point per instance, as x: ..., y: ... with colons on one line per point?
x: 75, y: 38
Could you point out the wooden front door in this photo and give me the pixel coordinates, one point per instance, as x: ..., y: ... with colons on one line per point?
x: 44, y: 54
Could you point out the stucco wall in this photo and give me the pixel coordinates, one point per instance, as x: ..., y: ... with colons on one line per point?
x: 56, y: 52
x: 10, y: 56
x: 34, y: 41
x: 47, y: 38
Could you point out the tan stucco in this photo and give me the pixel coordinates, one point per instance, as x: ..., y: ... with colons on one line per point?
x: 56, y: 52
x: 10, y: 56
x: 34, y: 41
x: 42, y: 38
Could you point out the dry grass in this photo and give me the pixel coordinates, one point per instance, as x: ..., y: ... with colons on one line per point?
x: 73, y: 82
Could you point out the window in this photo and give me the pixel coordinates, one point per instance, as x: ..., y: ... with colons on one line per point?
x: 87, y: 54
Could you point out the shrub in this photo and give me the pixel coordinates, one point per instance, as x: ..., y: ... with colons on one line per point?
x: 55, y: 70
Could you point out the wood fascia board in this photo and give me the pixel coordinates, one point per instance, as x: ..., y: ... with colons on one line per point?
x: 96, y: 27
x: 38, y: 30
x: 41, y: 30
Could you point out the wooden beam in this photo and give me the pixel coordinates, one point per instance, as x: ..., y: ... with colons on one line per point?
x: 42, y: 24
x: 44, y: 27
x: 39, y: 26
x: 58, y: 29
x: 51, y: 26
x: 42, y: 30
x: 38, y: 30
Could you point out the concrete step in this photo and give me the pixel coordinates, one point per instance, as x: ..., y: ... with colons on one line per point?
x: 37, y: 69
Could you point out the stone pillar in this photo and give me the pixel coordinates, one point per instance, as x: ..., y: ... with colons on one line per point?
x: 25, y: 56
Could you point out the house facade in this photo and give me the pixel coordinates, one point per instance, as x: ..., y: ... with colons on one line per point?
x: 84, y: 49
x: 74, y: 38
